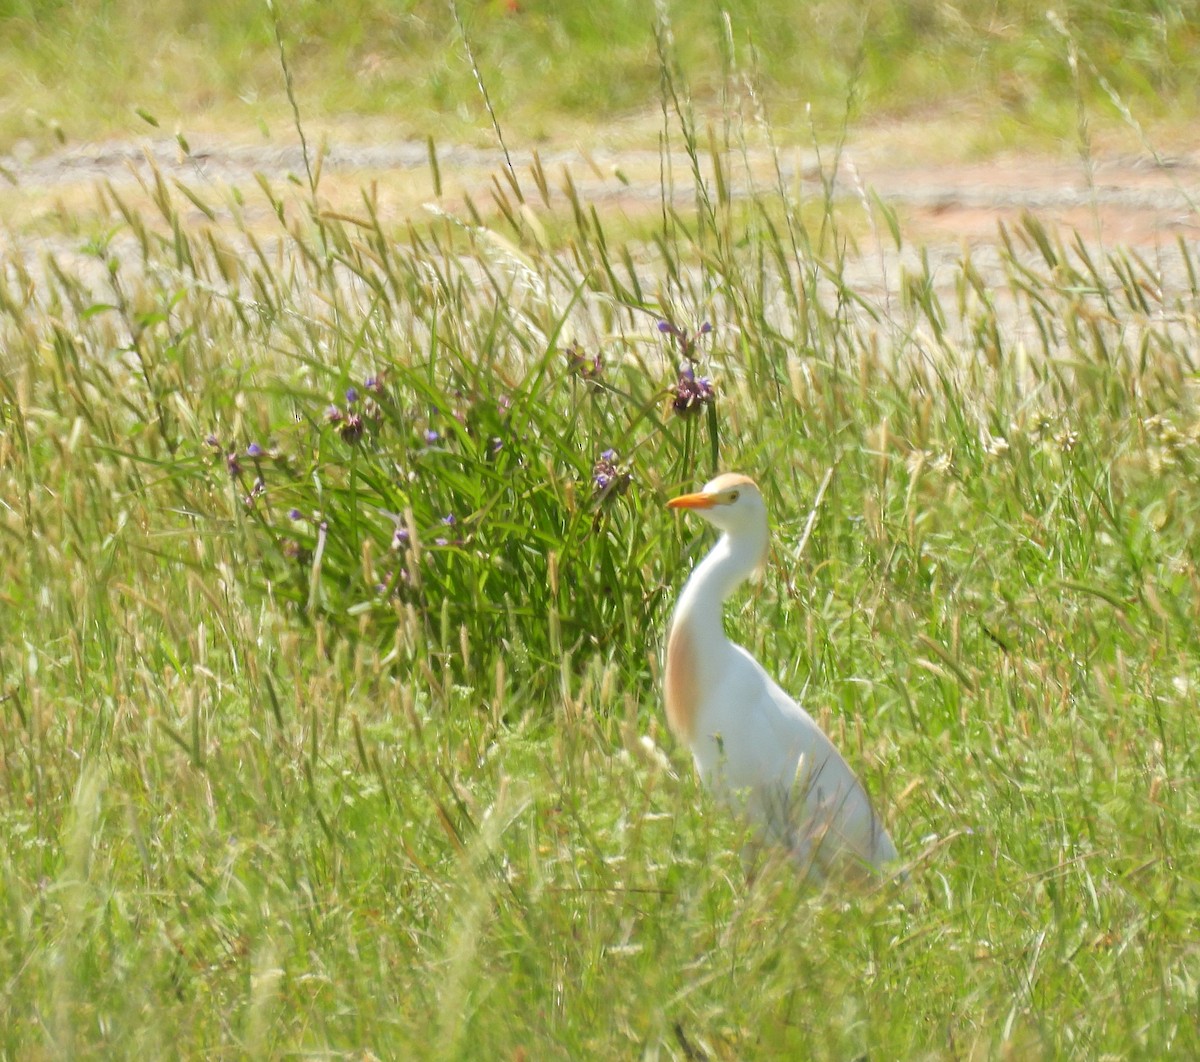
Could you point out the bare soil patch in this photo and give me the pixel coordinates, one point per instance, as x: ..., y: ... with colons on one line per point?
x: 1127, y: 199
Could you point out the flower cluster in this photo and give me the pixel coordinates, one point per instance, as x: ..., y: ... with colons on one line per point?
x: 1046, y: 429
x: 691, y: 392
x: 579, y: 364
x: 359, y: 413
x: 461, y: 422
x: 609, y: 478
x: 401, y: 578
x: 449, y: 520
x: 233, y: 459
x: 402, y: 538
x: 398, y: 578
x: 477, y: 415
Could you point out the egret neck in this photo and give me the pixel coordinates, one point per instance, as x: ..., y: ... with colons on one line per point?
x: 697, y: 646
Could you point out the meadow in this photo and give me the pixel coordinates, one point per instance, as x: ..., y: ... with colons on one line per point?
x: 986, y: 77
x: 335, y: 570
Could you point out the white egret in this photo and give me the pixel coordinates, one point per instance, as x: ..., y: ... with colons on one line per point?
x: 754, y: 746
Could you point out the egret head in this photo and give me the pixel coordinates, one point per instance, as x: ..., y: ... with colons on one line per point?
x: 732, y: 503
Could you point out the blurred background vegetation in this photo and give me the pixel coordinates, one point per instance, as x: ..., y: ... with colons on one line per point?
x: 1000, y: 72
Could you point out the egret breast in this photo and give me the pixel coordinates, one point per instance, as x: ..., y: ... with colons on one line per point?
x: 681, y: 687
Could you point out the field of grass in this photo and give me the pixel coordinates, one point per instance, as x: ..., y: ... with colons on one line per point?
x: 1001, y: 74
x: 334, y: 574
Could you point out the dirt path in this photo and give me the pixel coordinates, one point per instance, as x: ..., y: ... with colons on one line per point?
x: 1131, y: 200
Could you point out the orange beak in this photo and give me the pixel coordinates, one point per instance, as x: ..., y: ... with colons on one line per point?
x: 692, y: 501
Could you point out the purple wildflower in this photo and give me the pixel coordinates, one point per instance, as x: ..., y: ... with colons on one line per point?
x: 352, y: 430
x: 255, y: 451
x: 685, y: 340
x: 295, y: 514
x: 400, y: 538
x: 691, y: 393
x: 431, y: 436
x: 351, y: 395
x: 609, y: 478
x: 233, y: 464
x: 212, y: 440
x: 373, y: 384
x: 449, y: 520
x: 333, y: 415
x: 441, y: 542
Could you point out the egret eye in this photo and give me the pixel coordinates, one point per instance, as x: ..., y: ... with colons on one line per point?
x: 733, y: 495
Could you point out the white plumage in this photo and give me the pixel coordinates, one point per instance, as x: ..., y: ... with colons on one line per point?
x: 754, y: 746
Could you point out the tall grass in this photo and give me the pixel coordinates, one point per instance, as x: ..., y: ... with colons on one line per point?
x: 295, y: 763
